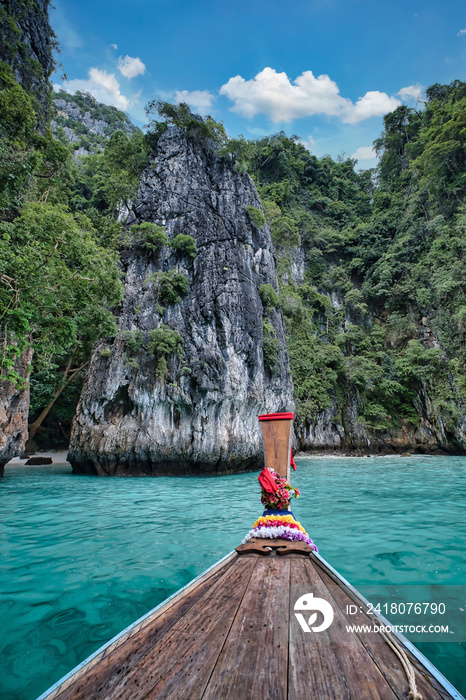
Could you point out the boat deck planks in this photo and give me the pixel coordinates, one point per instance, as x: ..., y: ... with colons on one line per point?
x: 191, y: 647
x: 323, y: 672
x: 383, y: 656
x: 362, y: 676
x: 232, y: 636
x: 254, y: 659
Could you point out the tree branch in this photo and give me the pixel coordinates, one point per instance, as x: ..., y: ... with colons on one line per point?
x: 67, y: 377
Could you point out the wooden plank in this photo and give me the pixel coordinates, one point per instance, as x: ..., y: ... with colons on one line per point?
x: 96, y: 679
x: 264, y: 546
x: 362, y: 676
x: 314, y: 671
x: 386, y: 660
x: 233, y: 635
x: 384, y: 657
x: 277, y: 445
x: 179, y: 665
x: 254, y: 659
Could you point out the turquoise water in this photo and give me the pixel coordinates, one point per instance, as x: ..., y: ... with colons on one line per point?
x: 82, y: 557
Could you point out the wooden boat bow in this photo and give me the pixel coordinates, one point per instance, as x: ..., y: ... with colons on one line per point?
x: 232, y: 634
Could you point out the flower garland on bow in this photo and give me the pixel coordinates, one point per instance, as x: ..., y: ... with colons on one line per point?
x: 283, y: 527
x: 276, y: 494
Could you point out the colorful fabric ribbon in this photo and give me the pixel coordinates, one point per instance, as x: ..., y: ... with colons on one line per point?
x: 267, y: 481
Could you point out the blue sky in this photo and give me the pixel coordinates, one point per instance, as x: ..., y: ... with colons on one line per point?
x: 326, y: 70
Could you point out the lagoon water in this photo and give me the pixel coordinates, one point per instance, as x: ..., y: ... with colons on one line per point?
x: 82, y: 557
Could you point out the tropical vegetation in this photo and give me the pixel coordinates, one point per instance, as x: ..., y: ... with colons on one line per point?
x: 371, y: 263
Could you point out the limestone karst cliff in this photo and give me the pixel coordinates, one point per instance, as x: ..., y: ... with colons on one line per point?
x: 338, y: 429
x: 369, y: 274
x: 14, y: 408
x: 85, y: 123
x: 198, y: 355
x: 26, y: 45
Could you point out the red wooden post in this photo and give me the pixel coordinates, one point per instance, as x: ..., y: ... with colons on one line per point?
x: 276, y: 432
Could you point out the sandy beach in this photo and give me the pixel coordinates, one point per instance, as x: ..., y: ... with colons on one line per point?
x: 57, y: 458
x: 60, y: 457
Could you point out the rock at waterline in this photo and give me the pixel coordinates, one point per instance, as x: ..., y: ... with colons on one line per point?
x: 14, y: 410
x: 180, y: 388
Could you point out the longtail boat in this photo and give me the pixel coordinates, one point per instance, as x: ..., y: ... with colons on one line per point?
x: 268, y: 621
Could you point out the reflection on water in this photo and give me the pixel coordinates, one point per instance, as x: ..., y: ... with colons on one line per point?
x: 83, y: 557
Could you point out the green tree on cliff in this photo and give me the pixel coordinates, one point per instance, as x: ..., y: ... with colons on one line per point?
x: 57, y: 292
x: 180, y: 115
x: 57, y: 284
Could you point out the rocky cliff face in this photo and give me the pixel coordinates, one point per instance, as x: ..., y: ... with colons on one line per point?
x: 14, y: 409
x: 156, y: 402
x: 26, y: 44
x: 340, y: 428
x: 85, y: 123
x: 340, y: 431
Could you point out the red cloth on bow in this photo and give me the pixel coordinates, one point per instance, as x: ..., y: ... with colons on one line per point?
x: 292, y: 462
x: 267, y: 481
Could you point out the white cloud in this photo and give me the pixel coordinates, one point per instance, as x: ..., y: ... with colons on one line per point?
x: 364, y: 153
x: 104, y: 86
x: 372, y: 104
x: 131, y: 67
x: 200, y: 100
x: 273, y: 94
x: 114, y: 46
x: 411, y: 91
x: 461, y: 32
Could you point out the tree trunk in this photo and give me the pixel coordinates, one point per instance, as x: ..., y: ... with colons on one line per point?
x: 67, y: 378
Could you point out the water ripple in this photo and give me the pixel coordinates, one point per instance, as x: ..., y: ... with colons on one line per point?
x: 83, y: 557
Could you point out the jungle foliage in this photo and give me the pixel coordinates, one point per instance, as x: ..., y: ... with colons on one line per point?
x: 371, y: 263
x: 379, y: 313
x: 59, y: 278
